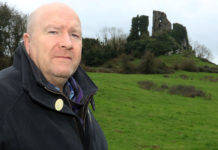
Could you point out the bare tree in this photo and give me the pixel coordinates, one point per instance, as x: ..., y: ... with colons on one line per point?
x: 202, y: 51
x: 113, y: 37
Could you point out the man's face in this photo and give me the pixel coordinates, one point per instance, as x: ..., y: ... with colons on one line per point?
x: 55, y: 44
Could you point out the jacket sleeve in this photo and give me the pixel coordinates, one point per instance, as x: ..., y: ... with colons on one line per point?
x: 2, y: 136
x: 1, y: 140
x: 7, y: 137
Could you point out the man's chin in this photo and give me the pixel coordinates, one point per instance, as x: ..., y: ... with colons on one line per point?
x: 64, y: 74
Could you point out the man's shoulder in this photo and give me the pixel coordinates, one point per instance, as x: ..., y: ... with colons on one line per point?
x: 10, y: 89
x: 10, y: 83
x: 9, y: 77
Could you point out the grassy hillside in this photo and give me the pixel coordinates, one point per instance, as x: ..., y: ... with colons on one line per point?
x: 136, y: 119
x: 178, y: 59
x: 173, y: 61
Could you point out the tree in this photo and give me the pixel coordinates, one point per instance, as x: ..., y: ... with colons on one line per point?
x: 94, y: 53
x: 162, y: 44
x: 137, y: 48
x: 201, y: 51
x: 90, y: 51
x: 12, y: 27
x: 113, y: 38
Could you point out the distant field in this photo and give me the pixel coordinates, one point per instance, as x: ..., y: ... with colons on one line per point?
x: 136, y: 119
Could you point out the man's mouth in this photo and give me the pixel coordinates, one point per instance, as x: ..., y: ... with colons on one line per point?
x: 63, y: 57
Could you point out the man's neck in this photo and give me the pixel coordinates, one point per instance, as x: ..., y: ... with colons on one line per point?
x: 57, y: 81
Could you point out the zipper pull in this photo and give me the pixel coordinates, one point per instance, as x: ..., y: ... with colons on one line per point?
x: 92, y: 103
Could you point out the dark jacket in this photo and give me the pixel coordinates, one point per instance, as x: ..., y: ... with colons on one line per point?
x: 29, y: 120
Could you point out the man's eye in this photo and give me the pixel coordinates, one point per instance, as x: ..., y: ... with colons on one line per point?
x: 75, y: 35
x: 52, y: 32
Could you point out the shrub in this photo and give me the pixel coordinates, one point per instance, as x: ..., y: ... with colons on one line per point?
x: 187, y: 91
x: 176, y: 66
x: 160, y: 67
x: 150, y: 64
x: 147, y: 64
x: 166, y: 76
x: 188, y: 53
x: 208, y: 69
x: 163, y: 87
x: 148, y: 85
x: 189, y: 65
x: 210, y: 78
x: 109, y: 65
x: 126, y: 66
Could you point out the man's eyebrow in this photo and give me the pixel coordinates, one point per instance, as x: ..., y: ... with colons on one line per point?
x: 59, y: 27
x: 75, y: 30
x: 53, y: 26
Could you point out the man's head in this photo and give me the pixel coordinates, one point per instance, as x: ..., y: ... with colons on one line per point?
x: 54, y: 41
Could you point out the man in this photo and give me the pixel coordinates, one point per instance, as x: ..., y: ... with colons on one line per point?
x: 45, y: 95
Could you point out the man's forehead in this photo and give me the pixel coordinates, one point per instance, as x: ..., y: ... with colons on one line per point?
x: 58, y: 15
x: 63, y: 21
x: 57, y: 21
x: 51, y: 13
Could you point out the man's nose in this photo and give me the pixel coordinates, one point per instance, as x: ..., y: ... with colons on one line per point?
x: 66, y: 42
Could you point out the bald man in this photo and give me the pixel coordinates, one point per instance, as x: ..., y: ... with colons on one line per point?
x: 45, y: 94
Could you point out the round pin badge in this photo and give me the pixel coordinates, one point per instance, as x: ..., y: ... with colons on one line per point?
x: 59, y: 104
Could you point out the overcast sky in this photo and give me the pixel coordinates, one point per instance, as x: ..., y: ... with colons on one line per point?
x: 199, y: 16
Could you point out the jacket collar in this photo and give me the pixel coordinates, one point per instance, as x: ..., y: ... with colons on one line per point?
x: 34, y: 82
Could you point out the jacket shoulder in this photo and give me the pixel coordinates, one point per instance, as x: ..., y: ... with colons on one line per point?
x: 10, y: 90
x: 10, y: 79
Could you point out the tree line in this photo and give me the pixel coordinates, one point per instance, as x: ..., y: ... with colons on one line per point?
x: 112, y: 42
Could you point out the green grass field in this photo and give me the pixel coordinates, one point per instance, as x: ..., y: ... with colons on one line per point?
x: 136, y: 119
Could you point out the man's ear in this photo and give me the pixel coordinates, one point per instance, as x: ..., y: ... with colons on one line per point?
x: 26, y: 39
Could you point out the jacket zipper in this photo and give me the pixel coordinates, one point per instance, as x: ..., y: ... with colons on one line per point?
x: 81, y: 130
x: 85, y: 109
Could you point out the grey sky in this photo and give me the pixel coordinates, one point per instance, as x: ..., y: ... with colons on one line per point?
x: 199, y: 16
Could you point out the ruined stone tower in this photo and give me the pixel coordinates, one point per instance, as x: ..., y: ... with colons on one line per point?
x: 160, y: 23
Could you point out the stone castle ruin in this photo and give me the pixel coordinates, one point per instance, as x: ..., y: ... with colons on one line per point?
x: 160, y: 23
